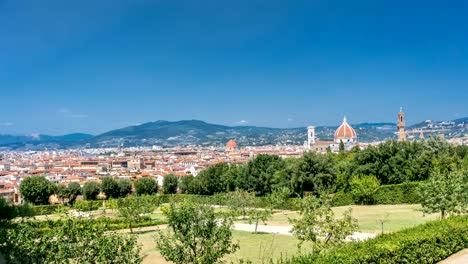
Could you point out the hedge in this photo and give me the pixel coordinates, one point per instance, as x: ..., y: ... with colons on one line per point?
x: 404, y: 193
x: 426, y: 243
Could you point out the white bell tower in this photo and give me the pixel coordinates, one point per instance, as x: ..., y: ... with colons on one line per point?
x: 310, y: 136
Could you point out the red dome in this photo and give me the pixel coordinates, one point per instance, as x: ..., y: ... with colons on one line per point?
x: 231, y: 144
x: 345, y: 131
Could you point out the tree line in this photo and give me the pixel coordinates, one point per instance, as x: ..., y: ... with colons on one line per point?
x: 391, y: 162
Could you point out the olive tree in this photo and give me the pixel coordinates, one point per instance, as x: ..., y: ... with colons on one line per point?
x: 445, y: 193
x: 318, y: 224
x: 195, y: 235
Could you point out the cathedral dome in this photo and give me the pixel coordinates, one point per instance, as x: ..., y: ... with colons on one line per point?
x: 345, y: 132
x: 231, y: 144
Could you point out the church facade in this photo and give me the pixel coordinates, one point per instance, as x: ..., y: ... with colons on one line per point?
x: 344, y: 133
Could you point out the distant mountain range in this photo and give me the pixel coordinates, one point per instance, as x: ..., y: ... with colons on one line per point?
x: 196, y: 132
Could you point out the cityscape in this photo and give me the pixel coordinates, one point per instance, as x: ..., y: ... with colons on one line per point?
x: 242, y: 132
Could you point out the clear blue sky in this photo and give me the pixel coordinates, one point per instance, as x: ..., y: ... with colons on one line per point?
x: 91, y: 66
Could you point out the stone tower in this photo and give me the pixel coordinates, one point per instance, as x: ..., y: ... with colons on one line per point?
x: 310, y: 136
x: 401, y: 125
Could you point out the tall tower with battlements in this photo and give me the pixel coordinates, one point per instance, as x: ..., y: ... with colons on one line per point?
x: 401, y: 125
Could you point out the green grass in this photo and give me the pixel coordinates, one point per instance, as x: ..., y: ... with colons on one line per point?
x: 254, y: 247
x: 395, y: 217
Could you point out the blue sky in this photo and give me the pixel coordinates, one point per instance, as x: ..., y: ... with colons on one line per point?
x: 91, y: 66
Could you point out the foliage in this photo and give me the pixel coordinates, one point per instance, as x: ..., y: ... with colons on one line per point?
x: 314, y: 173
x: 87, y: 205
x: 69, y: 241
x: 91, y: 190
x: 318, y: 224
x: 70, y: 191
x: 239, y: 202
x: 115, y: 188
x: 279, y: 198
x: 342, y: 199
x: 195, y: 235
x: 426, y: 243
x: 445, y: 192
x: 363, y: 188
x: 37, y: 189
x: 6, y: 210
x: 403, y: 193
x: 146, y: 186
x: 259, y: 215
x: 187, y: 184
x: 135, y: 209
x: 170, y: 184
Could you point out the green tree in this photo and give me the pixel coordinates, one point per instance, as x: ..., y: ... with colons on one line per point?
x: 6, y: 210
x: 318, y: 224
x: 125, y: 187
x: 195, y: 235
x: 314, y: 173
x: 146, y: 186
x: 110, y: 186
x: 239, y: 202
x: 363, y: 188
x: 341, y: 146
x: 445, y: 193
x: 170, y: 184
x: 186, y: 184
x: 257, y: 215
x: 135, y: 209
x: 279, y: 198
x: 62, y: 192
x: 37, y: 189
x: 74, y: 189
x: 91, y: 190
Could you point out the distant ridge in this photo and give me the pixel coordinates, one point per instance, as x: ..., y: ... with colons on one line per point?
x: 197, y: 132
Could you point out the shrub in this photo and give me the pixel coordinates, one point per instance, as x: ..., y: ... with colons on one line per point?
x: 427, y: 243
x: 404, y: 193
x: 342, y: 199
x: 86, y: 206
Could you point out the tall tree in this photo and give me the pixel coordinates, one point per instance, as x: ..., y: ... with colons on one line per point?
x: 91, y: 190
x: 37, y: 189
x: 146, y: 186
x: 110, y: 187
x: 170, y: 184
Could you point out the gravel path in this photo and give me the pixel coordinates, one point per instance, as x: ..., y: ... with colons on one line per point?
x: 458, y: 258
x: 285, y: 230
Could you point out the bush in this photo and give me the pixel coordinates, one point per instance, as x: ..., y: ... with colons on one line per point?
x: 86, y: 206
x: 342, y: 199
x: 404, y: 193
x: 427, y: 243
x: 46, y: 209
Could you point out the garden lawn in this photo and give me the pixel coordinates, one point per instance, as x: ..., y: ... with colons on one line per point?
x: 395, y: 217
x: 254, y: 247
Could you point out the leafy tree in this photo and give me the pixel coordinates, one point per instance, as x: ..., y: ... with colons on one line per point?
x: 363, y: 188
x: 214, y: 179
x: 170, y: 184
x: 125, y: 187
x: 239, y: 202
x: 74, y: 189
x: 314, y: 173
x: 258, y: 175
x: 37, y: 189
x: 279, y: 198
x: 110, y: 187
x: 257, y: 215
x: 91, y: 190
x: 195, y: 235
x: 445, y: 192
x: 341, y: 146
x: 70, y: 240
x: 187, y: 184
x: 62, y: 192
x: 6, y: 210
x: 135, y: 209
x: 146, y: 186
x: 319, y: 225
